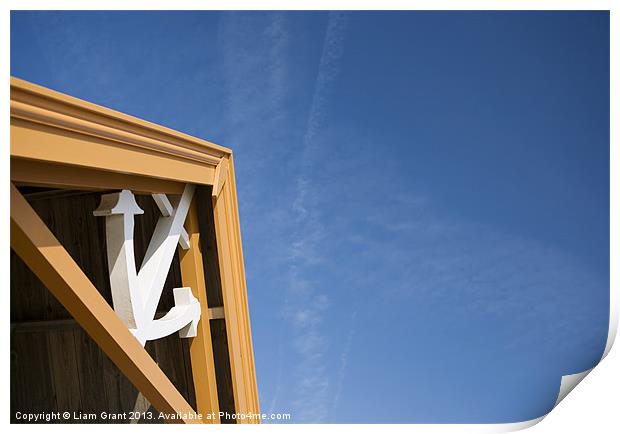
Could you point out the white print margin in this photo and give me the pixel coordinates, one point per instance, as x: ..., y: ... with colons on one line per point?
x: 569, y: 382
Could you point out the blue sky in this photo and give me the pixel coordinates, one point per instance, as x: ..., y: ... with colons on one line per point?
x: 424, y: 196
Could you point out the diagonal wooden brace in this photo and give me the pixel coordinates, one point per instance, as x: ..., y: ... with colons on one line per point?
x: 52, y: 264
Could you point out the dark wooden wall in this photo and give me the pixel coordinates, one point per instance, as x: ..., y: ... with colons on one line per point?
x: 55, y: 365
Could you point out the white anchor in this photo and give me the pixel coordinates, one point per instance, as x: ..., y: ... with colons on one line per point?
x: 135, y: 295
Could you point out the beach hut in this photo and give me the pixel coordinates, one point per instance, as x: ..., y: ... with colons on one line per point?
x: 128, y: 292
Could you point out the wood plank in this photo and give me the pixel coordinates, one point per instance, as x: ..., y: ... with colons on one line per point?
x: 216, y: 312
x: 234, y: 291
x: 28, y: 296
x: 221, y: 357
x: 91, y: 372
x: 187, y: 364
x: 37, y: 97
x: 72, y: 222
x: 219, y: 178
x: 231, y: 301
x: 201, y: 350
x: 235, y: 230
x: 32, y: 386
x: 43, y: 326
x: 60, y: 324
x: 42, y: 174
x: 48, y: 259
x: 168, y: 353
x: 208, y: 246
x: 63, y: 121
x: 75, y: 149
x: 64, y: 370
x: 120, y: 393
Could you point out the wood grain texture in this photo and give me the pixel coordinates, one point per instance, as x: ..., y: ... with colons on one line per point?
x: 47, y: 106
x: 234, y: 292
x: 74, y: 149
x: 201, y: 350
x: 95, y: 382
x: 34, y: 173
x: 32, y: 385
x: 103, y: 149
x: 63, y: 366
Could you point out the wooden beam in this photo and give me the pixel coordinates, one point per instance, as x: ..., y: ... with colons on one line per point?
x: 200, y: 349
x: 43, y: 105
x: 53, y: 265
x: 39, y: 174
x: 34, y: 141
x: 219, y: 178
x: 71, y: 323
x: 43, y: 326
x: 51, y: 127
x: 216, y: 312
x: 166, y: 209
x: 234, y: 292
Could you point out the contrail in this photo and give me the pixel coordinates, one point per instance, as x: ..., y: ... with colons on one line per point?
x: 306, y: 314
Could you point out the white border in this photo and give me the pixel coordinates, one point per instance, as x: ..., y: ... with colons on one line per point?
x: 591, y: 401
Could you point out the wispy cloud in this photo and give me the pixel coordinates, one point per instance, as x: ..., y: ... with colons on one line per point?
x: 340, y: 248
x: 344, y: 361
x: 306, y: 302
x: 333, y: 47
x: 253, y: 52
x: 477, y: 270
x: 381, y: 242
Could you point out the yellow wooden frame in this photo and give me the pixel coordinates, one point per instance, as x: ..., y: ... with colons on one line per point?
x: 63, y: 142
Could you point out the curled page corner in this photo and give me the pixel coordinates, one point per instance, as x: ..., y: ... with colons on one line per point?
x: 568, y: 383
x: 516, y: 426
